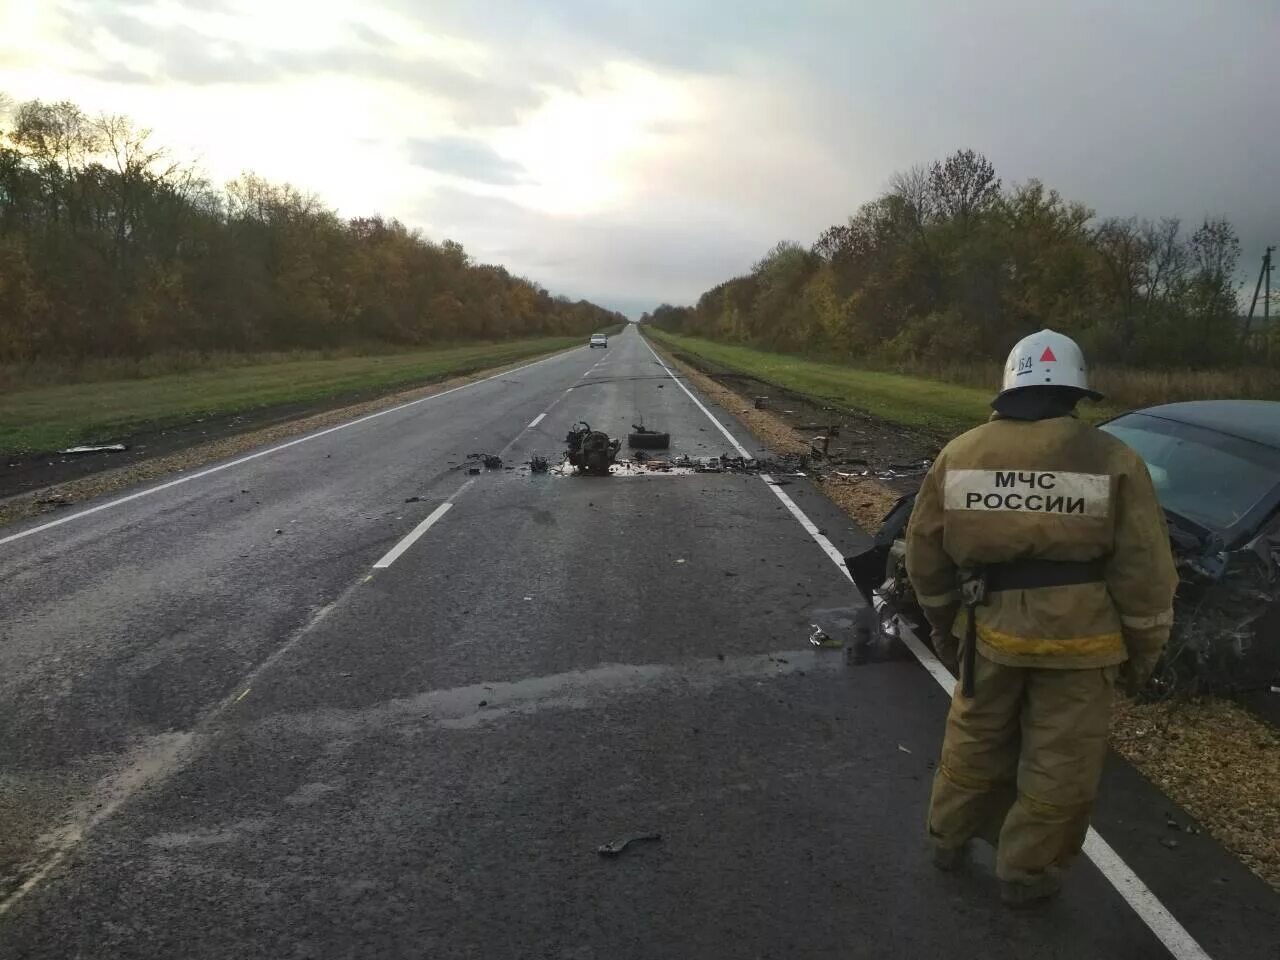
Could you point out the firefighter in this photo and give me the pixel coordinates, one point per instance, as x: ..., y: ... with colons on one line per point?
x: 1040, y: 555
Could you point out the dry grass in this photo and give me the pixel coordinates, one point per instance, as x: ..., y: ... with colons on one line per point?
x: 1221, y: 763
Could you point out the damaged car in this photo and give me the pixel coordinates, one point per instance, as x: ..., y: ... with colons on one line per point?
x: 1215, y: 465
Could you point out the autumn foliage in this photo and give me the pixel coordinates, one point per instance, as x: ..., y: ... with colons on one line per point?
x: 950, y: 265
x: 109, y: 248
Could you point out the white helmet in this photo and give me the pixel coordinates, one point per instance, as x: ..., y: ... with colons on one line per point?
x: 1046, y: 359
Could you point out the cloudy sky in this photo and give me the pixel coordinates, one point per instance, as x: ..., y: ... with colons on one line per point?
x: 635, y: 152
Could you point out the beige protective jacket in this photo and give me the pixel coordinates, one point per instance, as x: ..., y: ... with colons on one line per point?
x: 1054, y: 489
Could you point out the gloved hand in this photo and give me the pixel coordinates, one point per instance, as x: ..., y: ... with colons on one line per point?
x: 1134, y: 675
x: 947, y: 648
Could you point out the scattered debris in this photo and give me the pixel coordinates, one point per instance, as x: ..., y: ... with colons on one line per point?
x: 413, y: 499
x: 642, y: 438
x: 1169, y: 842
x: 484, y: 703
x: 903, y: 749
x: 591, y: 451
x: 104, y: 448
x: 538, y: 464
x: 278, y: 530
x: 490, y: 461
x: 615, y: 848
x: 473, y: 471
x: 682, y: 560
x: 820, y: 638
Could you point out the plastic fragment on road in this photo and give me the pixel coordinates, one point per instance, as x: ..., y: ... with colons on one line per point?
x: 104, y: 448
x: 820, y: 638
x: 903, y: 749
x: 615, y: 848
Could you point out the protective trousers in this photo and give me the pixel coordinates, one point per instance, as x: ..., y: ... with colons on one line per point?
x: 1021, y: 763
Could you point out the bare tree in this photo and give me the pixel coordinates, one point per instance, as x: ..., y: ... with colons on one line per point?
x: 963, y: 185
x: 913, y: 187
x: 1167, y: 260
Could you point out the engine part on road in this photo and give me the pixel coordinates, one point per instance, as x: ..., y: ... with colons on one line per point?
x: 591, y: 451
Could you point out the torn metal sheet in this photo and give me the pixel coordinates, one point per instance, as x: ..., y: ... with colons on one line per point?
x: 102, y: 448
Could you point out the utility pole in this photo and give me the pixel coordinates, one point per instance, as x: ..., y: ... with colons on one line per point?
x: 1264, y: 276
x: 1266, y: 300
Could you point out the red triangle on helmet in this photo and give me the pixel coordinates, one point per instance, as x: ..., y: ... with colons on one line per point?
x: 1047, y: 356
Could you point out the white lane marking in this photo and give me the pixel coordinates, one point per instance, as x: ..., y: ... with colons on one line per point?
x: 1180, y: 944
x: 394, y: 553
x: 263, y: 453
x: 827, y: 546
x: 536, y: 420
x: 742, y: 451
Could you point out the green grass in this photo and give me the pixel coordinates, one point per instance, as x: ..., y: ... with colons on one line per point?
x: 932, y: 406
x: 52, y: 417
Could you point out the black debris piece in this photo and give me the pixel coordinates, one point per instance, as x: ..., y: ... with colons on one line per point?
x: 474, y: 471
x: 615, y: 848
x: 643, y: 439
x: 538, y: 464
x: 412, y: 499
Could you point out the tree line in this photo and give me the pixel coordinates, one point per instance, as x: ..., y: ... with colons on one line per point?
x: 951, y: 265
x: 108, y: 247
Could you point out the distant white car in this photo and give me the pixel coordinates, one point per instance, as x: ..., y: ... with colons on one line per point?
x: 599, y: 340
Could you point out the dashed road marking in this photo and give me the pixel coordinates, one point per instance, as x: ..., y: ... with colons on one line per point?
x: 394, y: 553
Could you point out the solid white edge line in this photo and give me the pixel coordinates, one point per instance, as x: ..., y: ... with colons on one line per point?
x: 1172, y: 934
x: 411, y: 538
x: 742, y: 451
x: 263, y: 453
x: 536, y: 420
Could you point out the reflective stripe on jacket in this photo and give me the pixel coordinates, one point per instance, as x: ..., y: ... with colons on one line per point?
x: 1054, y: 489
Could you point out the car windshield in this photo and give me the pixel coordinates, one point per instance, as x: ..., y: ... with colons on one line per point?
x: 1208, y: 477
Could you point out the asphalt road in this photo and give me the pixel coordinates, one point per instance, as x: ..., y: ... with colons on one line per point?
x: 224, y: 732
